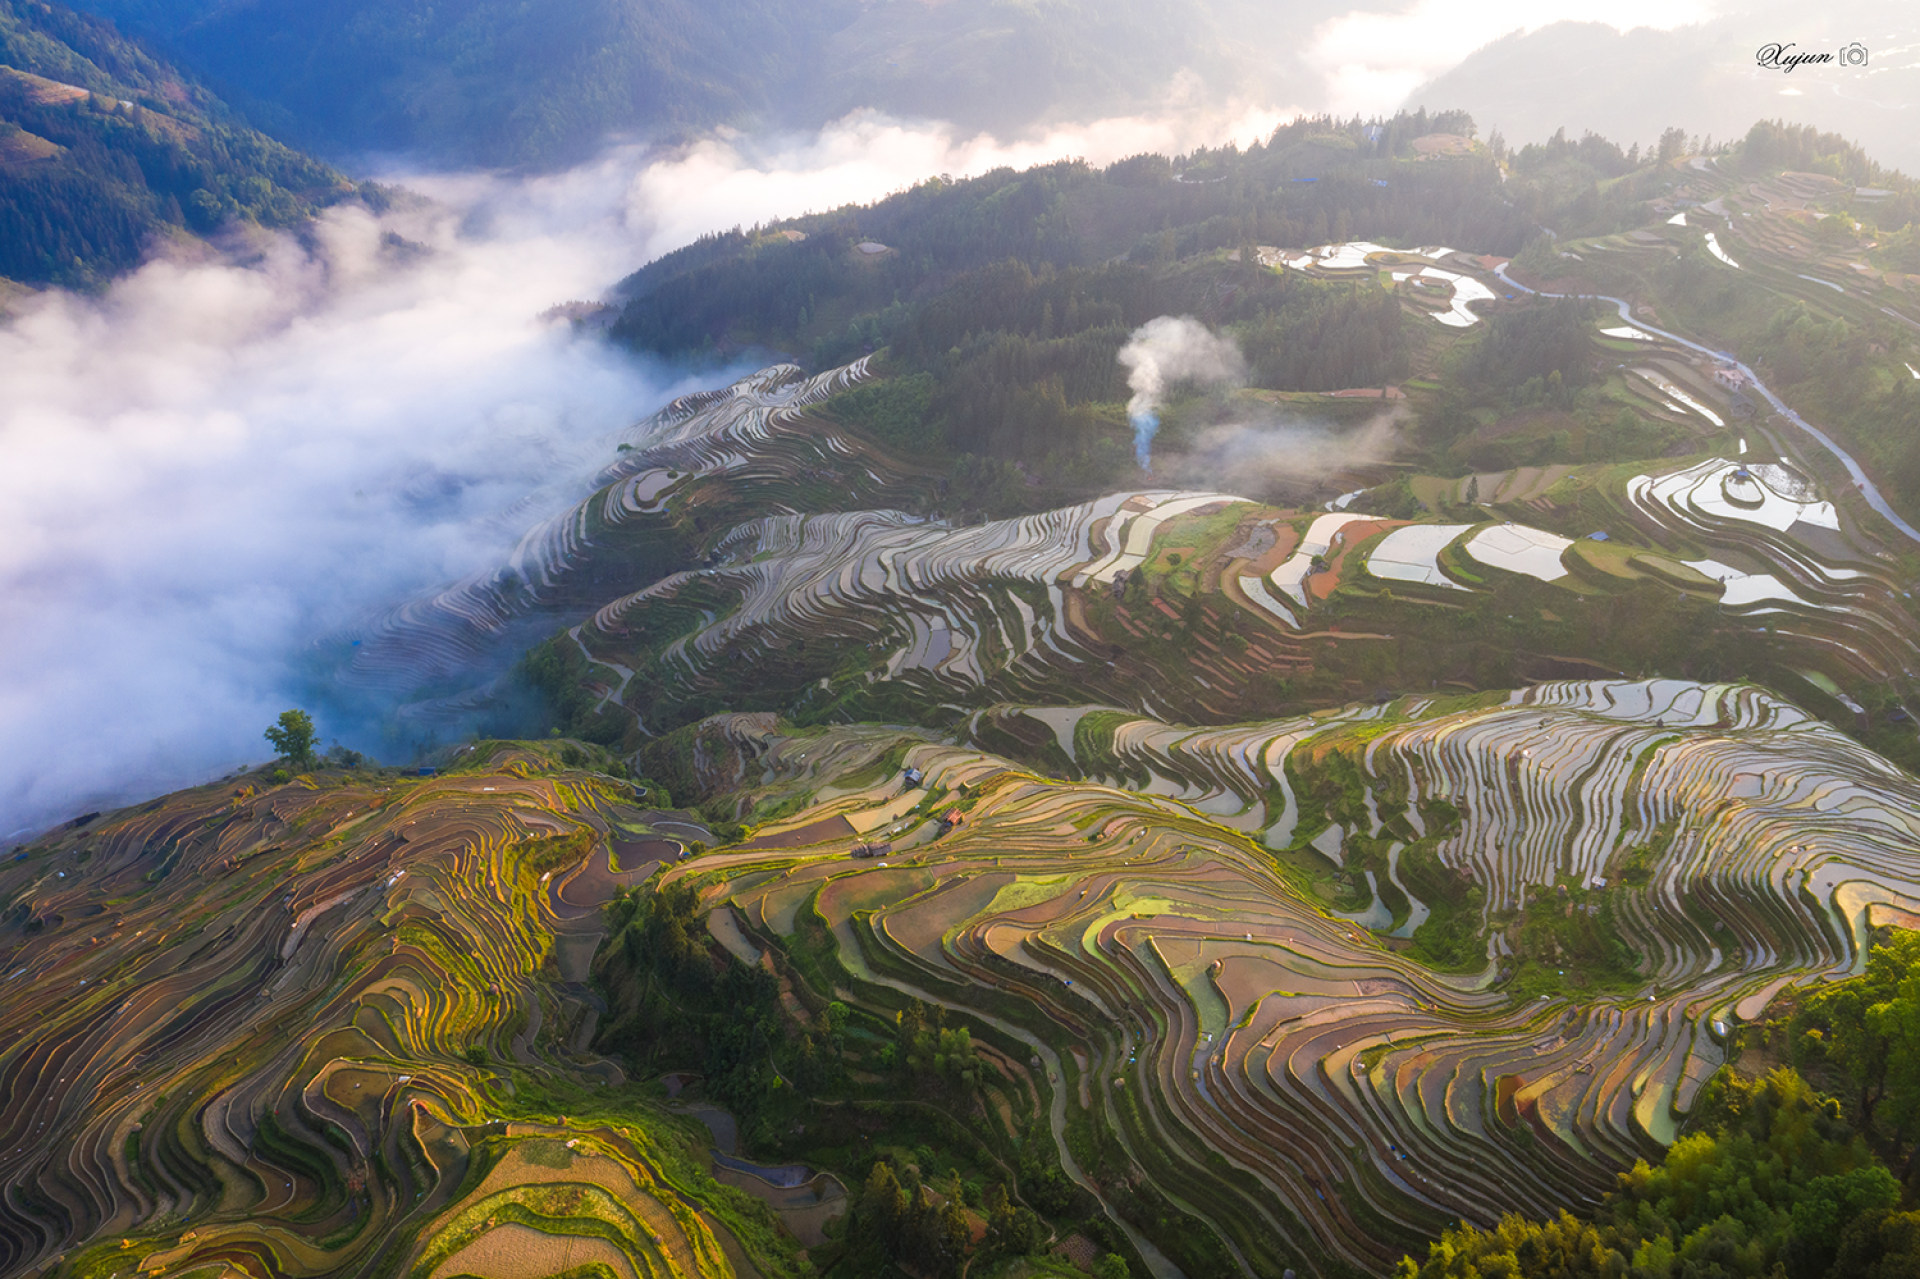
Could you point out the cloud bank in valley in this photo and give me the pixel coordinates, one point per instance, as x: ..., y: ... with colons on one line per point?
x: 736, y: 180
x: 217, y: 463
x: 214, y: 464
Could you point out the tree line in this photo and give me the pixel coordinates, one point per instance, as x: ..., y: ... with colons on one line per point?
x: 1003, y: 300
x: 1777, y: 1180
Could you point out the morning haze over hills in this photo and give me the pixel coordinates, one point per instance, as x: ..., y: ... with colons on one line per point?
x: 544, y: 84
x: 1631, y: 84
x: 1159, y: 639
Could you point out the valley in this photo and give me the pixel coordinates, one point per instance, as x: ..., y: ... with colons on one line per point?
x: 1260, y: 713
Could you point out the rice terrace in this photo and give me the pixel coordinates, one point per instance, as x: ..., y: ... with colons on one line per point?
x: 1453, y: 806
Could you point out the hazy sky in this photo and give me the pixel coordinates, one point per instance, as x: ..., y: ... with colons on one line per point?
x: 1694, y: 68
x: 1377, y: 56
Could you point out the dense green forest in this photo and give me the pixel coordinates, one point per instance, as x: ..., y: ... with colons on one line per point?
x: 1777, y: 1178
x: 103, y: 148
x: 1002, y: 300
x: 1313, y: 181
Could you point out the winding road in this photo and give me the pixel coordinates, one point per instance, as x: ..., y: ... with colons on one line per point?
x: 617, y: 695
x: 1860, y: 479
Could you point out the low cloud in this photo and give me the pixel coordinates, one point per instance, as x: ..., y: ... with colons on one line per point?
x: 215, y: 463
x: 737, y: 180
x: 218, y: 463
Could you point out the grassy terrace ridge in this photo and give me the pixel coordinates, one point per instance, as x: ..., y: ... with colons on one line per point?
x: 332, y: 1026
x: 1229, y: 1067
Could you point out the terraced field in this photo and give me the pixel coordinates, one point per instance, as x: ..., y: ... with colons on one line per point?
x: 1288, y: 992
x: 859, y: 597
x: 330, y: 1027
x: 750, y: 551
x: 1315, y: 1091
x: 924, y: 601
x: 717, y: 454
x: 1097, y: 601
x: 1440, y: 294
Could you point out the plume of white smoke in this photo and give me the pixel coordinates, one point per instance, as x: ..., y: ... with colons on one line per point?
x: 1169, y: 349
x: 1286, y: 453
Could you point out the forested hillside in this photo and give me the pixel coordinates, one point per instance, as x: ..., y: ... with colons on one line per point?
x: 1775, y: 1179
x: 1003, y: 301
x: 104, y: 147
x: 543, y: 84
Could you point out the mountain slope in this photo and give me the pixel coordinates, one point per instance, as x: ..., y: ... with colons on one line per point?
x: 543, y: 83
x: 1165, y: 874
x: 325, y: 1026
x: 952, y: 512
x: 1194, y: 939
x: 104, y: 148
x: 485, y: 81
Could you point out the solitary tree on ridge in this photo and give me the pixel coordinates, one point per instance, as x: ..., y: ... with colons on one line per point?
x: 292, y: 736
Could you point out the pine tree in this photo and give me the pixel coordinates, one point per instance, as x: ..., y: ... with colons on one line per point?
x: 922, y: 1229
x: 883, y: 1207
x: 955, y: 1234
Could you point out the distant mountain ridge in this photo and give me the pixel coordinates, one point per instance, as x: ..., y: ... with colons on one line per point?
x: 543, y: 83
x: 1631, y: 86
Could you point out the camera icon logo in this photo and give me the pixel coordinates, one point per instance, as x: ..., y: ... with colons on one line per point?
x: 1853, y: 55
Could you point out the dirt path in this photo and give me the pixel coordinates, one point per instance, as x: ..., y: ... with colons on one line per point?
x: 619, y: 691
